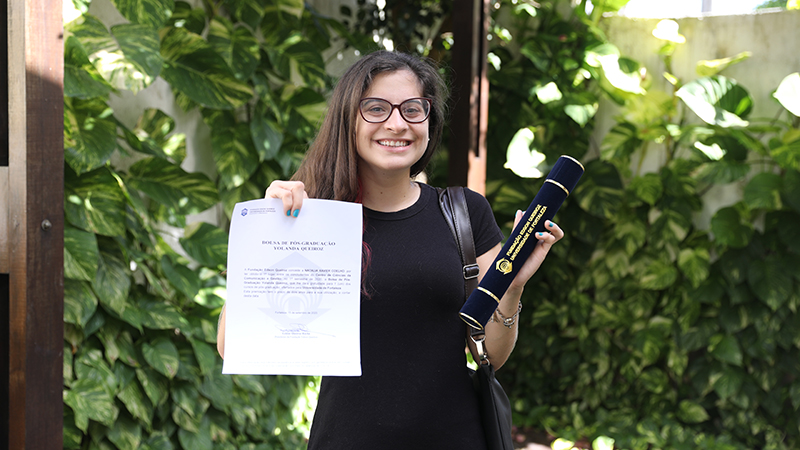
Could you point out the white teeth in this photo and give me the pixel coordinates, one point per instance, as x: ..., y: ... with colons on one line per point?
x: 394, y: 143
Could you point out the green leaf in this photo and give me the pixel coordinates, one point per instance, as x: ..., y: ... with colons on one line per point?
x: 654, y: 380
x: 154, y: 384
x: 788, y: 93
x: 547, y: 93
x: 206, y: 244
x: 171, y: 186
x: 133, y: 61
x: 771, y: 280
x: 691, y: 412
x: 647, y: 187
x: 600, y: 192
x: 153, y: 136
x: 707, y: 68
x: 717, y: 101
x: 265, y: 134
x: 79, y: 302
x: 159, y: 315
x: 182, y: 277
x: 632, y: 235
x: 193, y: 19
x: 112, y: 282
x: 146, y: 12
x: 136, y: 402
x: 249, y: 383
x: 81, y: 77
x: 206, y: 356
x: 521, y: 159
x: 90, y: 365
x: 80, y: 254
x: 193, y: 68
x: 603, y: 443
x: 197, y: 440
x: 95, y: 202
x: 219, y: 389
x: 620, y: 143
x: 234, y: 154
x: 787, y: 155
x: 126, y: 434
x: 303, y: 61
x: 162, y: 355
x: 72, y: 435
x: 723, y: 171
x: 729, y: 383
x: 658, y: 275
x: 764, y: 191
x: 90, y: 400
x: 90, y: 134
x: 694, y: 264
x: 237, y: 45
x: 581, y: 114
x: 729, y: 229
x: 726, y: 349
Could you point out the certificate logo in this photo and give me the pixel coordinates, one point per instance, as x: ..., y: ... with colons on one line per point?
x: 504, y: 266
x: 244, y: 212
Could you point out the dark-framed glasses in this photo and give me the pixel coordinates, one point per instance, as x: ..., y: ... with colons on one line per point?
x: 378, y: 110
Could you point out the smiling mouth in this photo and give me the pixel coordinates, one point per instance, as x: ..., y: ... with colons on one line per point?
x: 395, y: 143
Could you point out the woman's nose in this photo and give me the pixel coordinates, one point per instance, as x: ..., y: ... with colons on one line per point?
x: 395, y: 121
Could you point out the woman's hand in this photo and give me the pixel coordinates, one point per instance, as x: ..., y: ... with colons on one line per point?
x: 291, y: 193
x: 547, y: 238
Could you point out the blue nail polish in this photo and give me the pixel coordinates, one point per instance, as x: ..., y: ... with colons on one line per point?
x: 288, y: 213
x: 551, y: 224
x: 540, y: 233
x: 296, y: 212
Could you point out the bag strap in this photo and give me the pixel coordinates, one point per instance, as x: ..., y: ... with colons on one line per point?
x: 453, y: 203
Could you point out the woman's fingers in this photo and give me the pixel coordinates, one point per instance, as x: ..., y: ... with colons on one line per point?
x: 291, y: 193
x: 553, y: 234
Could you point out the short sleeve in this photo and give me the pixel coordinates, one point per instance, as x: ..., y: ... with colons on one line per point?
x: 485, y: 230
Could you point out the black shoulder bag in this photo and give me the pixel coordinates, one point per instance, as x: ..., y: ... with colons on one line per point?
x: 495, y: 408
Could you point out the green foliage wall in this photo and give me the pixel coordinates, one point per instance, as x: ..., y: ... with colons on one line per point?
x: 140, y: 364
x: 642, y: 326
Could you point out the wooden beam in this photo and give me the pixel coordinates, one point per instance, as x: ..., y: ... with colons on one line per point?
x: 35, y: 65
x: 467, y: 157
x: 4, y: 213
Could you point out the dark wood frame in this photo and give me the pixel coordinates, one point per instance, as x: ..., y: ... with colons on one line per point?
x: 32, y: 292
x: 470, y: 92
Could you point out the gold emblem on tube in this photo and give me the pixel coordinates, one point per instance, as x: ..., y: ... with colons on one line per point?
x: 504, y: 266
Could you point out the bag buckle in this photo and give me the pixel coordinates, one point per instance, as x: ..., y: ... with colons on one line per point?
x: 471, y: 271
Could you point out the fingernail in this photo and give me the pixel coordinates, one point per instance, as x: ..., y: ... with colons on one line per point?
x: 540, y: 233
x: 551, y: 224
x: 296, y: 212
x: 288, y: 213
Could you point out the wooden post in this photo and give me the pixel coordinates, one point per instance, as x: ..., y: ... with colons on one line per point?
x: 34, y: 227
x: 467, y: 158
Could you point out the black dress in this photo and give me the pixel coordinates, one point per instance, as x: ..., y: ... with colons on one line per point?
x: 415, y: 391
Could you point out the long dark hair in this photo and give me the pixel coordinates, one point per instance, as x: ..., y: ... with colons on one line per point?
x: 330, y: 169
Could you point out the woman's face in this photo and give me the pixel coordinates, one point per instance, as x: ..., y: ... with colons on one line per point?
x: 394, y: 145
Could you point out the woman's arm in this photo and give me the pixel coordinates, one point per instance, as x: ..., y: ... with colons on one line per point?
x: 221, y: 333
x: 500, y: 339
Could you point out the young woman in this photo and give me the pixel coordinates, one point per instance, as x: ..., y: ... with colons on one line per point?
x: 385, y: 119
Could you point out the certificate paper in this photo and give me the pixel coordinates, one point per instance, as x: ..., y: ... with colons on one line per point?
x: 294, y: 289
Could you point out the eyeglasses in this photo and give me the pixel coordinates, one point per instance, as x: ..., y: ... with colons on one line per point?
x: 378, y: 110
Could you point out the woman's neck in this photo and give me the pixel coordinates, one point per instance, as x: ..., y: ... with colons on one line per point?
x: 389, y: 194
